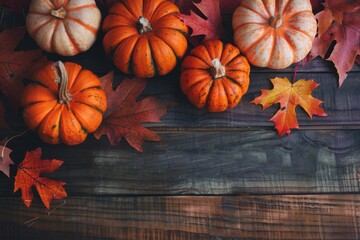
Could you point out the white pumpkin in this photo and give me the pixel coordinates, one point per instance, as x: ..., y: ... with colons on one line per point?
x: 274, y: 33
x: 66, y: 27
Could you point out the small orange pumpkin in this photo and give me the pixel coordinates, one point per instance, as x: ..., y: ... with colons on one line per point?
x: 63, y: 103
x: 215, y: 76
x: 144, y: 37
x: 65, y: 27
x: 274, y: 34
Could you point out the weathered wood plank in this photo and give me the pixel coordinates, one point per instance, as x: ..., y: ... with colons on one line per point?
x: 341, y: 104
x: 166, y: 218
x: 219, y: 162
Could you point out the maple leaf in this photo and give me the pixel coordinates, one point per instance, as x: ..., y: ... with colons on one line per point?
x: 28, y: 175
x: 340, y: 22
x: 125, y: 114
x: 16, y: 65
x: 5, y: 160
x: 211, y: 27
x: 290, y: 96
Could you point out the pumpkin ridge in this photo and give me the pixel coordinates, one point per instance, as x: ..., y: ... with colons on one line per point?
x: 287, y: 18
x: 233, y: 80
x: 84, y: 89
x: 34, y: 31
x: 91, y: 106
x: 285, y: 37
x: 266, y: 9
x: 285, y: 7
x: 60, y: 136
x: 153, y: 62
x: 259, y: 14
x: 92, y: 5
x: 233, y: 97
x: 49, y: 3
x: 84, y: 25
x: 273, y: 46
x: 43, y: 85
x: 160, y: 19
x: 257, y: 41
x: 56, y: 25
x: 205, y: 79
x: 200, y: 60
x: 301, y: 31
x: 130, y: 11
x: 71, y: 41
x: 33, y: 103
x: 172, y: 50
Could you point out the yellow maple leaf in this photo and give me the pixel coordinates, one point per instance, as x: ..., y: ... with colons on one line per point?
x: 289, y: 96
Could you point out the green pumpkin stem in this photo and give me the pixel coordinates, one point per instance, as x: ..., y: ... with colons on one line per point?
x: 62, y: 80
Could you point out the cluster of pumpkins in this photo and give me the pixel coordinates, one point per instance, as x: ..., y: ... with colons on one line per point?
x: 146, y: 38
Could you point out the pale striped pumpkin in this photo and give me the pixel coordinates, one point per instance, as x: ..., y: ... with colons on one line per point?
x: 66, y: 27
x: 274, y: 33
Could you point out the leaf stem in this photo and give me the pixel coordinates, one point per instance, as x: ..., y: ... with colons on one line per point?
x: 7, y: 141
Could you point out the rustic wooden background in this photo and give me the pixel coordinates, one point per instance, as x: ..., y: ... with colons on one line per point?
x: 212, y: 176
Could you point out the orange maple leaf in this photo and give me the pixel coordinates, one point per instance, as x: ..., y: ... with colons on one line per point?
x: 28, y: 175
x: 289, y: 96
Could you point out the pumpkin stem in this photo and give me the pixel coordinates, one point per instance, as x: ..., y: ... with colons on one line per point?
x: 59, y: 13
x: 62, y: 80
x: 276, y: 21
x: 217, y: 70
x: 143, y: 25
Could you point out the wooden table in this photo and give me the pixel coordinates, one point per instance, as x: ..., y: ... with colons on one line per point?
x: 212, y: 176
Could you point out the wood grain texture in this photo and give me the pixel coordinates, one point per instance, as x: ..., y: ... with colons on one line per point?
x: 207, y: 162
x: 186, y: 218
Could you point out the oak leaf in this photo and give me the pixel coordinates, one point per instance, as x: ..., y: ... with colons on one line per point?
x: 290, y: 96
x: 5, y: 160
x: 124, y: 114
x: 16, y: 65
x: 28, y: 175
x: 211, y: 25
x: 339, y: 22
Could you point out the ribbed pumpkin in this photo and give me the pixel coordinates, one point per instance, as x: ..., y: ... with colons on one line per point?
x: 63, y: 103
x: 274, y: 34
x: 144, y: 37
x: 66, y: 27
x: 215, y: 76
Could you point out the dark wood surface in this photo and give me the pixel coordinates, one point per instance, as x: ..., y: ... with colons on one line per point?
x: 212, y: 176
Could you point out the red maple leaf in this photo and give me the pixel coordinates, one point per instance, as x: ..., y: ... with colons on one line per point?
x: 5, y: 160
x: 290, y: 96
x: 125, y: 114
x: 28, y: 175
x: 211, y: 25
x: 340, y: 22
x: 16, y: 65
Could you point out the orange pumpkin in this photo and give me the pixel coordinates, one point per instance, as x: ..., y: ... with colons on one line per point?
x: 274, y: 34
x: 64, y: 103
x: 215, y: 76
x: 66, y: 27
x: 144, y: 37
